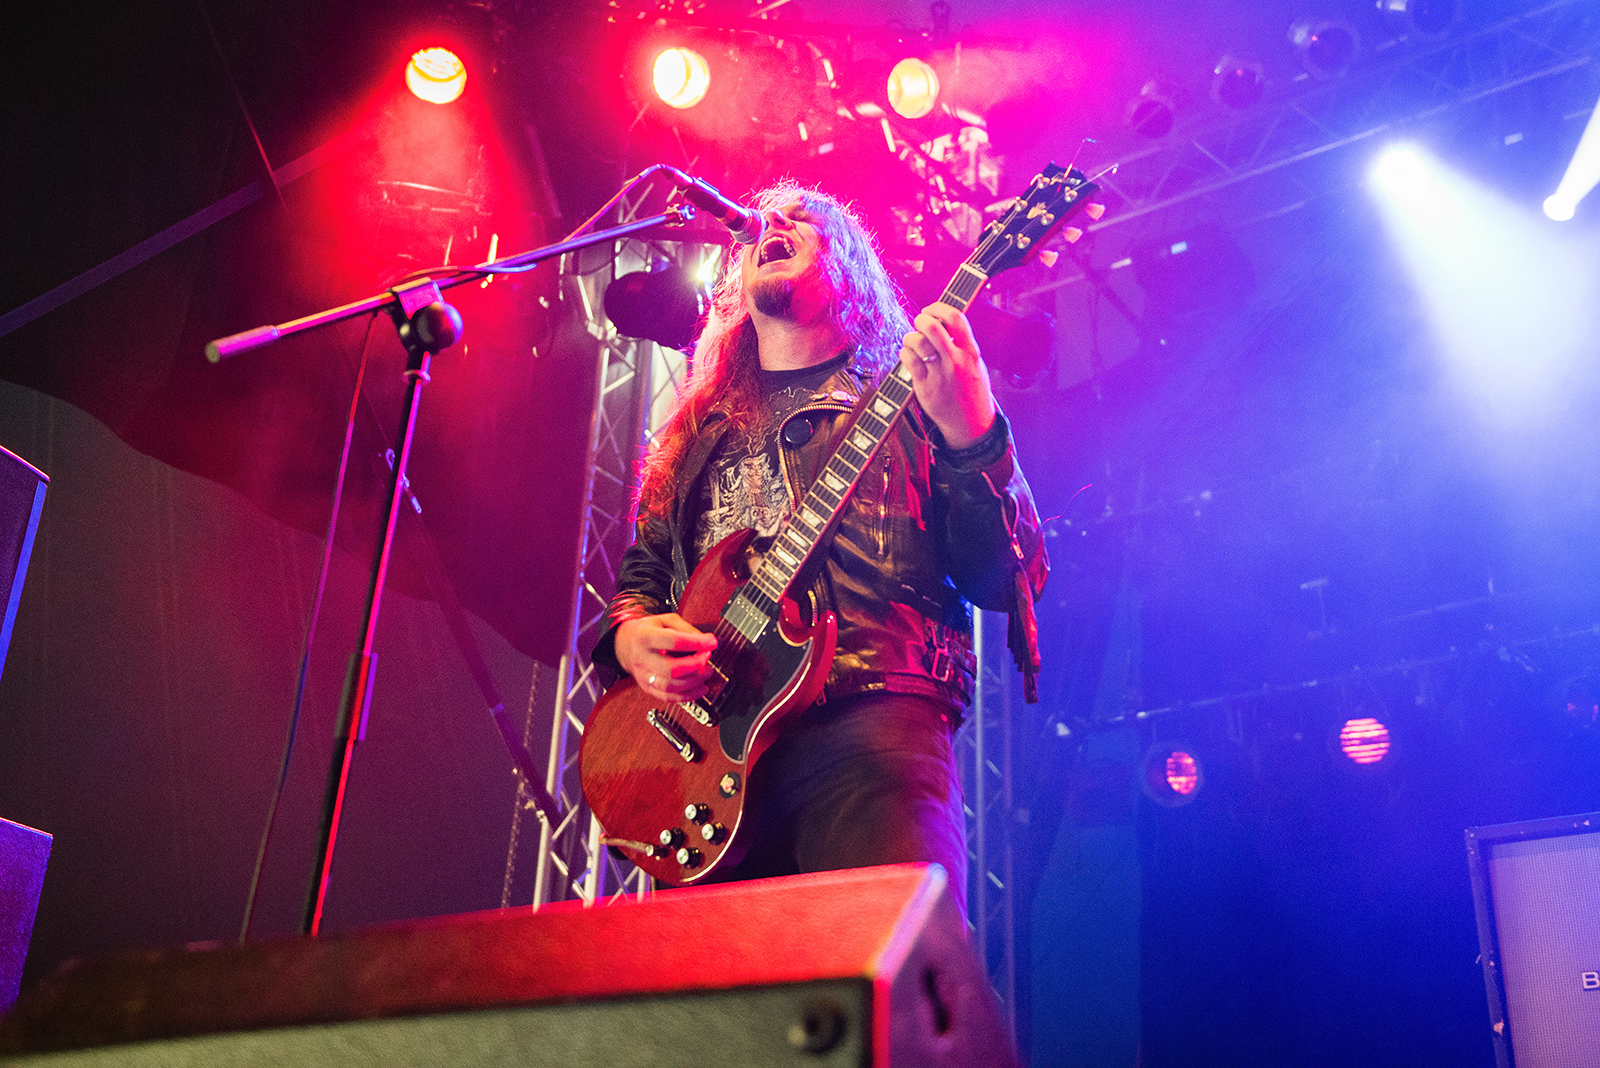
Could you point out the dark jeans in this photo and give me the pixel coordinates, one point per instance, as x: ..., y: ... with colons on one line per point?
x: 862, y: 780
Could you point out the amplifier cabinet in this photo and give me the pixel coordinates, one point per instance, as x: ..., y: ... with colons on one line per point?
x: 869, y: 966
x: 1536, y: 887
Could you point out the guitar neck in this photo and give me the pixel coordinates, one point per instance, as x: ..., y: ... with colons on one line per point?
x: 1053, y: 196
x: 804, y: 528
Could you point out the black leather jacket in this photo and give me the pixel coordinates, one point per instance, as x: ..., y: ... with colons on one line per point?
x: 927, y: 530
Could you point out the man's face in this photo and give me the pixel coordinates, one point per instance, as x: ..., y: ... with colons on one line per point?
x: 783, y: 276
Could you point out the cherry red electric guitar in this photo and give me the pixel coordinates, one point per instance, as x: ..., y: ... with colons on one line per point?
x: 667, y: 781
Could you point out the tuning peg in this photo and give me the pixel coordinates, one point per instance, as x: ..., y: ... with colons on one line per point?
x: 1071, y: 235
x: 1094, y: 211
x: 1048, y: 256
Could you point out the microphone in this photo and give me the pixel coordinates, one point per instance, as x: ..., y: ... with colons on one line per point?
x: 745, y: 223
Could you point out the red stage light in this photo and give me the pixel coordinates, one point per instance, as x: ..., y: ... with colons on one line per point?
x: 1183, y: 774
x: 681, y: 77
x: 1364, y: 740
x: 436, y: 75
x: 913, y: 88
x: 1172, y: 775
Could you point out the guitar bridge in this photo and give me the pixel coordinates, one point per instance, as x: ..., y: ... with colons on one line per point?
x: 674, y: 735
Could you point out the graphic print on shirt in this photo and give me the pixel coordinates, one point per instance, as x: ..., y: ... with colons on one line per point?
x: 747, y: 493
x: 743, y: 485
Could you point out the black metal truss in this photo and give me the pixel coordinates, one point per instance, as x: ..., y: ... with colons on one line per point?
x: 1407, y: 83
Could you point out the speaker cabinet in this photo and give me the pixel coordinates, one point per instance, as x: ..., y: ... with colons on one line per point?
x: 1536, y: 886
x: 860, y: 967
x: 23, y: 855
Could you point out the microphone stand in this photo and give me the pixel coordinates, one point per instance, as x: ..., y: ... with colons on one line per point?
x: 426, y: 325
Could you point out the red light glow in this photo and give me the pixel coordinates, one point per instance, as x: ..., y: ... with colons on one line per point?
x: 436, y: 75
x: 1183, y: 775
x: 1365, y: 740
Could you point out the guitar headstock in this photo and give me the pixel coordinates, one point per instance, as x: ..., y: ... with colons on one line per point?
x: 1055, y: 195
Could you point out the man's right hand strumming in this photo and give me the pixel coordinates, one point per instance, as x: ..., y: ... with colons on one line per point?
x: 666, y: 655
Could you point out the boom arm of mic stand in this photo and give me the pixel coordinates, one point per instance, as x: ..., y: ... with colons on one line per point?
x: 255, y: 338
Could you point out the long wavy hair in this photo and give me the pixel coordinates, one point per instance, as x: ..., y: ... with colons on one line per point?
x: 864, y: 304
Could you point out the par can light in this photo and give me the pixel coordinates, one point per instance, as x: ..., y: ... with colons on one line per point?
x: 436, y: 75
x: 913, y: 88
x: 1172, y: 775
x: 681, y: 77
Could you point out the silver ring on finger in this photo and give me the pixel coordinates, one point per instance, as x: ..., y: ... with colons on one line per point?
x: 651, y: 681
x: 929, y: 359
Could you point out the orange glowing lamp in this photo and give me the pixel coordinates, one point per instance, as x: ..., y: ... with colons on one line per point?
x: 681, y: 77
x: 913, y: 88
x: 436, y: 75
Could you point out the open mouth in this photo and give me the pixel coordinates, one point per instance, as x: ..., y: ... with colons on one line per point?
x: 776, y: 247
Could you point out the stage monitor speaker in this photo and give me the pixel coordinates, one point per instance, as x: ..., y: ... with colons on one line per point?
x: 22, y: 489
x: 1536, y: 886
x: 869, y: 966
x: 23, y: 855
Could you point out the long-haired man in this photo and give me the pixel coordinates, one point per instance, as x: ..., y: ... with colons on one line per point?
x: 803, y: 323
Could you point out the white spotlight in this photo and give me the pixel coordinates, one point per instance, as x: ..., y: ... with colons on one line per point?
x: 1399, y: 169
x: 1583, y: 173
x: 1559, y: 208
x: 1509, y: 298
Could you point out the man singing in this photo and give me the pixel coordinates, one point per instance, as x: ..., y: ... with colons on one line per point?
x: 804, y: 322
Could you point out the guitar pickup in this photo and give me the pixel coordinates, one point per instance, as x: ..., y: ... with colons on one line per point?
x: 674, y: 735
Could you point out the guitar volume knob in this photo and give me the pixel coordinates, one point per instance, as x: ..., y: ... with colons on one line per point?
x: 672, y: 838
x: 697, y: 813
x: 689, y: 857
x: 713, y: 832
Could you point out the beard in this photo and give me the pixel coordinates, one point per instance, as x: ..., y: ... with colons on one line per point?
x: 773, y: 297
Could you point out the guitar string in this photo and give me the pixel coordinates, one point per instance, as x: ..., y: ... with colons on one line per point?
x: 724, y: 630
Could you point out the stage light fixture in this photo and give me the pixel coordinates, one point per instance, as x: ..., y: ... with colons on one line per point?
x: 1582, y: 174
x: 1237, y: 83
x: 1152, y: 113
x: 1173, y: 776
x: 1579, y: 701
x: 664, y: 305
x: 1326, y: 47
x: 1401, y: 171
x: 436, y: 75
x: 1425, y: 17
x: 681, y: 77
x: 913, y: 88
x: 1364, y: 740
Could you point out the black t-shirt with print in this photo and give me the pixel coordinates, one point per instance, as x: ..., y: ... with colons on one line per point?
x: 743, y: 482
